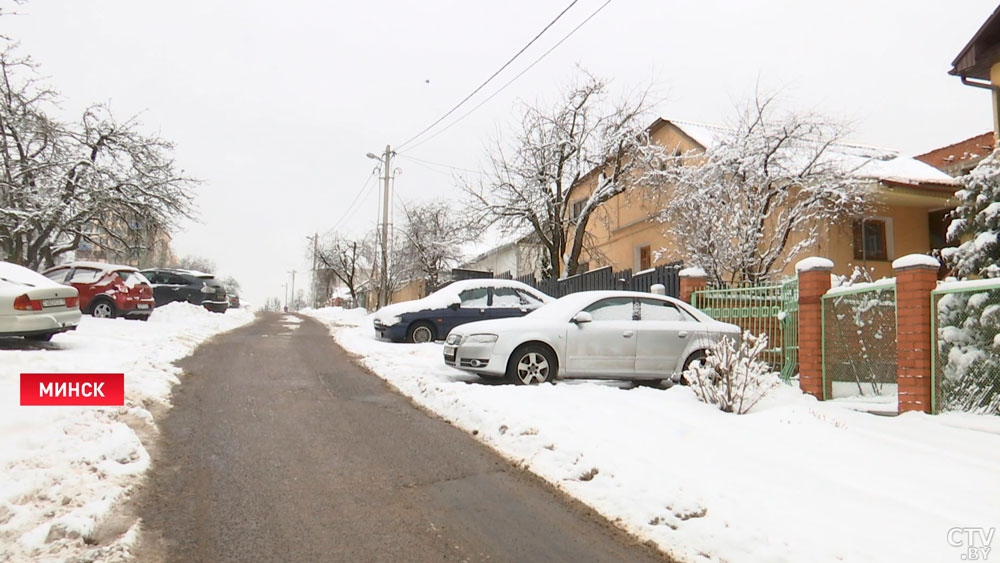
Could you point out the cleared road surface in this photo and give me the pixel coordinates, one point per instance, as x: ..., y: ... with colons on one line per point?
x: 279, y: 448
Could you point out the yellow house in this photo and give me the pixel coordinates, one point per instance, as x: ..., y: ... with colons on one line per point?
x: 910, y: 200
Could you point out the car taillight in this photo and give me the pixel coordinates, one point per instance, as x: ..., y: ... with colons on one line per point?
x: 25, y: 303
x: 72, y: 302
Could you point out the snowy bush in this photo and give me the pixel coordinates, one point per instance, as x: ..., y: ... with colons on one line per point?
x: 733, y: 377
x: 969, y: 351
x: 976, y: 222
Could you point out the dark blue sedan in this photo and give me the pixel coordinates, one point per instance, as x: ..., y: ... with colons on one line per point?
x: 431, y: 318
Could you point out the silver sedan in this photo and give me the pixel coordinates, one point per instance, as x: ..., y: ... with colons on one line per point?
x: 590, y: 335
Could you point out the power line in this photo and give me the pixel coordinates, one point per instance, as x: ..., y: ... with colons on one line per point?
x: 432, y: 163
x: 494, y: 75
x: 519, y: 75
x: 354, y: 201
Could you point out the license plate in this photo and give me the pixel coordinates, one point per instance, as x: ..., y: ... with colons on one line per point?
x: 142, y: 306
x: 53, y: 302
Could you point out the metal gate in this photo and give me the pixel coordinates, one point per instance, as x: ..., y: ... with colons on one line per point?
x: 772, y: 310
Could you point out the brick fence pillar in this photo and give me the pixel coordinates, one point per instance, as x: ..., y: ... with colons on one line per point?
x: 691, y: 280
x: 916, y: 277
x: 814, y: 282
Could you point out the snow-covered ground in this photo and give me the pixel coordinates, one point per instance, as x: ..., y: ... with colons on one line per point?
x: 63, y: 470
x: 793, y: 480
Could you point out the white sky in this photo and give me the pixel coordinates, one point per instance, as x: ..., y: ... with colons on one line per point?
x: 274, y: 104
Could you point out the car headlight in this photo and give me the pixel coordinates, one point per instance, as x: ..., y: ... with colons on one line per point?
x: 482, y: 339
x: 453, y: 339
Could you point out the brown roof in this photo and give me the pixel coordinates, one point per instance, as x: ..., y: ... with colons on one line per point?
x: 971, y: 149
x: 981, y: 52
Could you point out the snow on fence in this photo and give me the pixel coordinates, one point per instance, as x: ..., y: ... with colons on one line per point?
x: 966, y: 353
x: 599, y: 279
x: 859, y: 340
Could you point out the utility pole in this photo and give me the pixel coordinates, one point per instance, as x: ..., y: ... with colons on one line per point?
x: 315, y: 282
x: 385, y: 228
x: 386, y: 160
x: 293, y: 290
x: 285, y: 285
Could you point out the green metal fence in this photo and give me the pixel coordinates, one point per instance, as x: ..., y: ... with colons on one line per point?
x: 965, y: 356
x: 761, y: 309
x: 859, y: 340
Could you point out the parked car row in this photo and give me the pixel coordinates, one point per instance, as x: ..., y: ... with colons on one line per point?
x: 591, y: 334
x: 37, y: 306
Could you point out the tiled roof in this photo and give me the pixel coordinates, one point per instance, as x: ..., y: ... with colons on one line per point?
x: 969, y: 150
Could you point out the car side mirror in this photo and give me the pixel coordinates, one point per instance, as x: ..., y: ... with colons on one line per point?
x: 582, y: 317
x: 454, y: 305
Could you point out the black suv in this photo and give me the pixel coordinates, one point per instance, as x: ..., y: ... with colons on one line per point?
x: 171, y: 285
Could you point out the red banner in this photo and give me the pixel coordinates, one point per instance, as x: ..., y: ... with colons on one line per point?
x: 73, y: 389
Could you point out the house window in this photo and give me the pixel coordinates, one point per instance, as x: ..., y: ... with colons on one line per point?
x: 577, y: 207
x: 870, y: 240
x: 645, y: 258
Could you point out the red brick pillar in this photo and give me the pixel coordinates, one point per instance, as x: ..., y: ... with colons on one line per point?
x: 692, y: 280
x: 916, y: 277
x: 814, y: 282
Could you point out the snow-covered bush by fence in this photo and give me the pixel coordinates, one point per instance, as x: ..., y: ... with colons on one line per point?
x: 968, y: 348
x: 733, y: 378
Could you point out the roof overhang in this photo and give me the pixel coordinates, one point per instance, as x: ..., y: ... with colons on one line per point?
x: 981, y: 52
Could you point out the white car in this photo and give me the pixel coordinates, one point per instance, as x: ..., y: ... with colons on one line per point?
x: 590, y: 335
x: 34, y: 306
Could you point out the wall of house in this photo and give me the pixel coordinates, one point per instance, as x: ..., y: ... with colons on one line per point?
x: 627, y: 222
x: 501, y: 260
x: 909, y: 235
x: 409, y: 292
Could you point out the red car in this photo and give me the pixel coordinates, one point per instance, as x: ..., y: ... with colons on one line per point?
x: 107, y: 290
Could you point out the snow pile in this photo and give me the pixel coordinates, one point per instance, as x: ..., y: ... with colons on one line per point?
x: 793, y: 480
x: 65, y: 469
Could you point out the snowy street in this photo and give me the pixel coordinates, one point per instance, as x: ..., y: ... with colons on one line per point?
x: 279, y: 448
x: 793, y: 480
x: 69, y: 471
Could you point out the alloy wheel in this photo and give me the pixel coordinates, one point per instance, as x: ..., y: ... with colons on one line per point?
x: 532, y: 368
x: 103, y: 311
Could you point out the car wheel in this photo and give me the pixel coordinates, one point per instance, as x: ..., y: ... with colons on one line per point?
x: 39, y: 337
x: 103, y: 309
x: 421, y: 332
x: 531, y: 364
x: 696, y: 356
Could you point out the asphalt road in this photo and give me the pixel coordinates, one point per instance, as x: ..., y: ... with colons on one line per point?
x: 279, y: 448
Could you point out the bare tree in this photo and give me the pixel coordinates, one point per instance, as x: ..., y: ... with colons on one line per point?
x: 96, y: 181
x: 585, y: 134
x: 746, y: 206
x: 347, y: 260
x: 192, y: 262
x: 432, y: 238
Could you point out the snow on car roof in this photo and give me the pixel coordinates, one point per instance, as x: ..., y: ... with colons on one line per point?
x: 447, y: 295
x: 194, y: 273
x: 96, y: 265
x: 14, y: 278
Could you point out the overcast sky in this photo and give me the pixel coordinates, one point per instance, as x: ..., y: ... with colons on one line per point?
x: 275, y: 104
